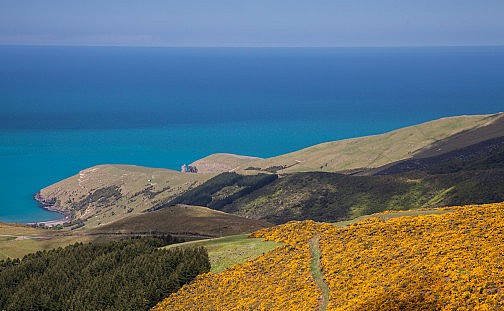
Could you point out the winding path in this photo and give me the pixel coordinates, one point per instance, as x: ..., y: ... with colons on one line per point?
x: 317, y: 273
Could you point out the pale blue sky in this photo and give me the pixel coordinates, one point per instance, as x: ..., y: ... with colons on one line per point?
x: 253, y: 23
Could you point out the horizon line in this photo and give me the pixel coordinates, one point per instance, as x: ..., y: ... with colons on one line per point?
x: 250, y: 46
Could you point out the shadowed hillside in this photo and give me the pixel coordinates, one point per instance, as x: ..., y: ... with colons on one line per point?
x: 488, y: 154
x: 183, y: 220
x: 222, y: 190
x: 474, y: 174
x: 333, y: 197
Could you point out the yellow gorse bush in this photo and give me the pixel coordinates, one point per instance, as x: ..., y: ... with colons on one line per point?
x: 292, y: 232
x: 278, y: 280
x: 453, y: 261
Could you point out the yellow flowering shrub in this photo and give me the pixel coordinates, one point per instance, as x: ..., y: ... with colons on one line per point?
x: 278, y: 280
x: 453, y: 261
x: 292, y: 232
x: 450, y: 261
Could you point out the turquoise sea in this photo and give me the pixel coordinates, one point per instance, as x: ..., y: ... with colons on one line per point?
x: 63, y: 109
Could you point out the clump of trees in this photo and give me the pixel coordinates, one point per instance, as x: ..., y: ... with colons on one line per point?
x: 131, y: 274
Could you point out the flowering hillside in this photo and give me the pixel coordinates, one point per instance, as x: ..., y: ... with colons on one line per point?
x: 452, y: 261
x: 278, y: 280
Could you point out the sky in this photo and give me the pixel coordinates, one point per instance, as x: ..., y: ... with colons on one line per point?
x: 252, y: 23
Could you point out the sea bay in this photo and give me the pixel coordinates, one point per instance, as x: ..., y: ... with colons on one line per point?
x: 63, y: 109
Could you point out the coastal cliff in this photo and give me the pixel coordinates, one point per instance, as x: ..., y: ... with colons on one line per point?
x: 50, y: 205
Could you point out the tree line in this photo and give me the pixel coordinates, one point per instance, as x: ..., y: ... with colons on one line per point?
x: 131, y: 274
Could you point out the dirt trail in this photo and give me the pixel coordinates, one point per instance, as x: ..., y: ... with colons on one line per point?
x: 317, y: 273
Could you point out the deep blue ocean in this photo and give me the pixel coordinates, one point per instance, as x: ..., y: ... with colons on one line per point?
x: 63, y: 109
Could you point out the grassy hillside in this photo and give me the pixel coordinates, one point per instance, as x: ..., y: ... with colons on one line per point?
x: 450, y: 261
x: 222, y: 162
x: 191, y: 222
x: 223, y: 189
x: 106, y: 193
x: 332, y: 197
x: 183, y: 220
x: 22, y: 230
x: 19, y: 246
x: 474, y: 174
x: 491, y: 130
x: 231, y: 250
x: 371, y: 151
x: 486, y: 155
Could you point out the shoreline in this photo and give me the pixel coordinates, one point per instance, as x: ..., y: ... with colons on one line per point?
x: 48, y: 206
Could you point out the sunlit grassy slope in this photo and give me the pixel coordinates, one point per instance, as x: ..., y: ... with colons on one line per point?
x: 17, y: 248
x: 106, y: 193
x: 371, y: 151
x: 17, y: 229
x: 231, y: 250
x: 222, y: 162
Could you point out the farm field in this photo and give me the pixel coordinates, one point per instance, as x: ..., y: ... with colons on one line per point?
x: 18, y: 240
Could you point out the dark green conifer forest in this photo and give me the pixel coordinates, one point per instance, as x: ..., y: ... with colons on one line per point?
x: 131, y: 274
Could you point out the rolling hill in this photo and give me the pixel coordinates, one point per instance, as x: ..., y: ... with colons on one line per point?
x: 488, y: 154
x: 333, y: 197
x: 378, y: 150
x: 183, y: 220
x: 451, y: 259
x: 469, y: 175
x: 106, y: 193
x: 327, y: 182
x: 222, y: 162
